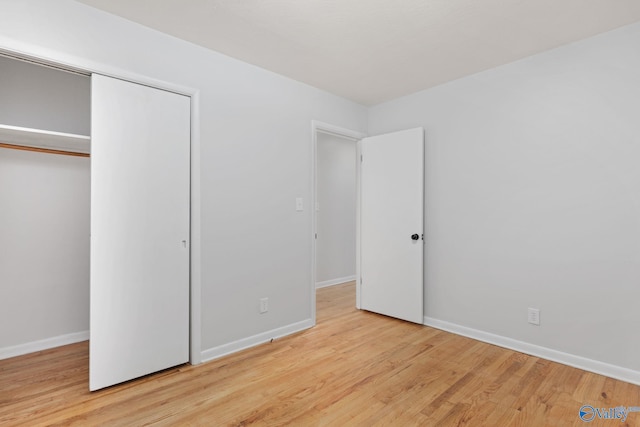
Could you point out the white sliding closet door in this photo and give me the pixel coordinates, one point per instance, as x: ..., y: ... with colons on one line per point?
x: 140, y: 159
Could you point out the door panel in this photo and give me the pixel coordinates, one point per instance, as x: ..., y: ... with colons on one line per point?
x: 139, y: 306
x: 392, y: 200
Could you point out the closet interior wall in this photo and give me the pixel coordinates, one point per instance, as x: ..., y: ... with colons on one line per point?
x: 44, y: 212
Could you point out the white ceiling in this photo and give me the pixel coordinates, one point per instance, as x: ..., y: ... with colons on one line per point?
x: 371, y: 51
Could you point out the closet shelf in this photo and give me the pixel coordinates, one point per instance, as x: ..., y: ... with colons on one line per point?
x: 38, y: 138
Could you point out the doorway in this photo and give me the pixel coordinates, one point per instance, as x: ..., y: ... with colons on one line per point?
x: 335, y: 210
x: 395, y: 164
x: 335, y: 213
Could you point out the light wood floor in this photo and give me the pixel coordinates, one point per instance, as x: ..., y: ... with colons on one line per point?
x: 354, y: 368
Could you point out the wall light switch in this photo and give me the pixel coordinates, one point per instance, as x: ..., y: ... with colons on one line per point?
x: 299, y: 204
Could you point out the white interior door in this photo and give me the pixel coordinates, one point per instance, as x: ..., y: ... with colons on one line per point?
x: 139, y: 307
x: 391, y: 224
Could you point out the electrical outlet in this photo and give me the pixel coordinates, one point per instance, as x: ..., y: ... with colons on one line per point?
x: 264, y: 305
x: 534, y: 316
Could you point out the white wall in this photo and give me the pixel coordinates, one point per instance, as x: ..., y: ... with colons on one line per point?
x: 44, y: 247
x: 533, y: 197
x: 255, y: 157
x: 336, y: 194
x: 44, y: 213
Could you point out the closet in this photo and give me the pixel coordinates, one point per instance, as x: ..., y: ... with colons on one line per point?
x: 44, y: 206
x: 128, y: 272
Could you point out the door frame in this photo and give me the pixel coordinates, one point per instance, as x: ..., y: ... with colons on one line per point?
x: 355, y: 136
x: 56, y: 59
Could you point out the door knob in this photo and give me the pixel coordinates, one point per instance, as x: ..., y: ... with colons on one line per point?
x: 415, y: 237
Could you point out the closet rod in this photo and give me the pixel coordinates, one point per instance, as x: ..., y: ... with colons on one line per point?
x: 42, y: 150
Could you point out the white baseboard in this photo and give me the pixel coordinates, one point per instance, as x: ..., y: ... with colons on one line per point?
x: 242, y: 344
x: 45, y: 344
x: 579, y: 362
x: 337, y: 281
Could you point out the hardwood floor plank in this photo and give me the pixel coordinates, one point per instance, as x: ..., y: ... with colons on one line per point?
x: 354, y: 368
